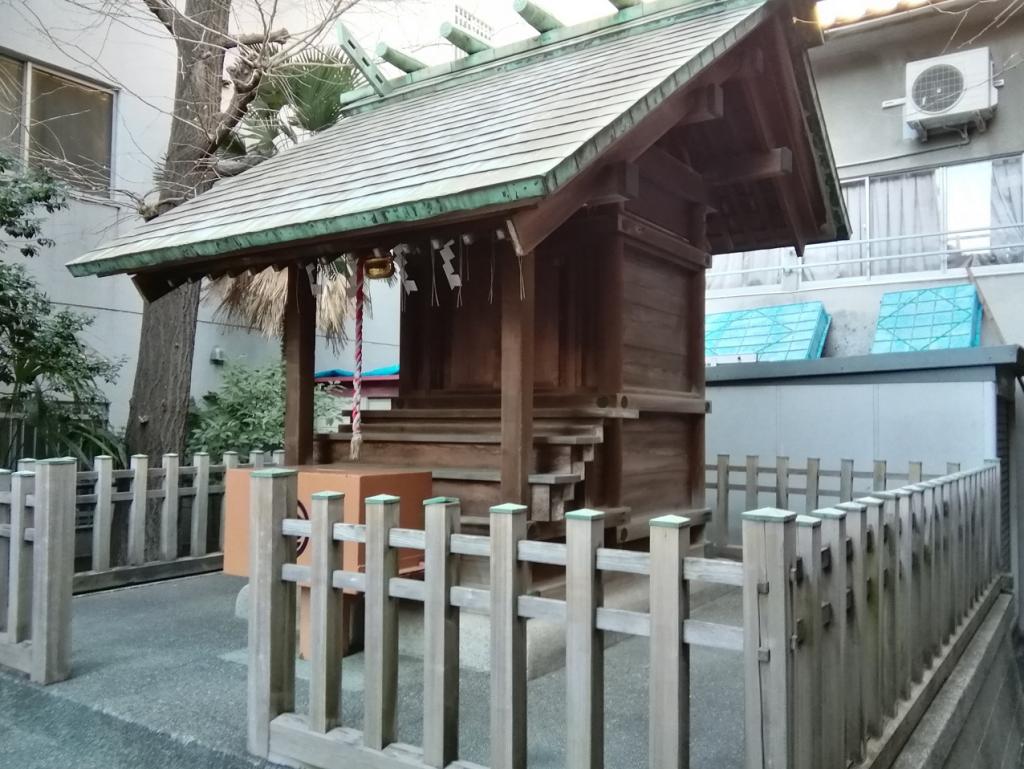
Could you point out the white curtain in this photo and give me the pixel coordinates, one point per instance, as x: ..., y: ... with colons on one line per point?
x: 1007, y: 204
x: 907, y: 204
x: 817, y: 257
x: 763, y: 265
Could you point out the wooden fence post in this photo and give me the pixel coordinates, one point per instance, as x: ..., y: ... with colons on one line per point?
x: 720, y: 522
x: 670, y: 655
x: 103, y: 517
x: 19, y: 606
x: 5, y: 545
x: 508, y: 639
x: 875, y: 596
x: 833, y: 647
x: 807, y: 693
x: 782, y: 483
x: 53, y: 567
x: 137, y: 512
x: 919, y: 579
x: 271, y: 683
x: 946, y: 572
x: 380, y: 685
x: 752, y: 479
x: 905, y: 669
x: 584, y: 644
x: 846, y: 480
x: 813, y: 484
x: 440, y: 635
x: 769, y: 549
x: 199, y: 524
x: 914, y: 473
x: 856, y: 626
x: 326, y: 615
x: 888, y: 568
x: 878, y: 479
x: 169, y: 509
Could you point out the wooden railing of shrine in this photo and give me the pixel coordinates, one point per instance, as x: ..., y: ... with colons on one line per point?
x: 37, y: 540
x: 785, y: 484
x: 853, y: 618
x: 171, y: 497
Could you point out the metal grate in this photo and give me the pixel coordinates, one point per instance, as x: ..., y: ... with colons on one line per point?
x: 938, y: 88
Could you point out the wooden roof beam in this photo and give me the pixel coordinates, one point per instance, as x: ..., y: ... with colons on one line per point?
x: 535, y: 16
x: 752, y: 167
x: 594, y: 186
x: 399, y: 59
x: 462, y: 39
x: 670, y: 173
x: 706, y: 104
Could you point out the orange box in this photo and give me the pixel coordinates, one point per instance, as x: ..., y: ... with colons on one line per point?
x: 356, y: 482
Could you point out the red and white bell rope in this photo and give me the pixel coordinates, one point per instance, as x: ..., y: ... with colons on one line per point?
x: 357, y: 377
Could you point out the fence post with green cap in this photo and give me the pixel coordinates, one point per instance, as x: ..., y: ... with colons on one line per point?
x: 769, y: 562
x: 508, y: 639
x: 670, y: 656
x: 440, y: 634
x: 584, y: 647
x: 381, y: 634
x: 271, y: 686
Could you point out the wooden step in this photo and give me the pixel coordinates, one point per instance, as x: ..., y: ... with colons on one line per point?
x: 388, y: 436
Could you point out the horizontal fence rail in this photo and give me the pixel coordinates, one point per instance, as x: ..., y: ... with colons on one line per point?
x: 747, y: 485
x: 318, y: 738
x: 854, y: 616
x: 37, y: 540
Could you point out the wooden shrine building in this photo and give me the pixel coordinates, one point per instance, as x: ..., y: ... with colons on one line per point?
x: 552, y: 206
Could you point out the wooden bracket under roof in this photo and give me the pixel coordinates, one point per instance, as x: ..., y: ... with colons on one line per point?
x: 362, y: 61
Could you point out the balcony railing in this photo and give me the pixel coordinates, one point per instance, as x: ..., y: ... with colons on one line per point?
x: 876, y: 259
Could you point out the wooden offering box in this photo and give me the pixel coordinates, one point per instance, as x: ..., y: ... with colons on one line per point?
x: 356, y: 482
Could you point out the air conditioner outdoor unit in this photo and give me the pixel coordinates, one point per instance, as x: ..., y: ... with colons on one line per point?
x: 950, y: 93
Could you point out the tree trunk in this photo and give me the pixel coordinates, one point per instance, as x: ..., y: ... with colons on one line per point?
x: 158, y: 412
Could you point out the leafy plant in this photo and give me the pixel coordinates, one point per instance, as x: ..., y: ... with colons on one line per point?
x: 21, y: 195
x: 247, y: 411
x: 49, y: 376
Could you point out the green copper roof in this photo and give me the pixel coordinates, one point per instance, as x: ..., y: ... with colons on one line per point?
x: 507, y: 130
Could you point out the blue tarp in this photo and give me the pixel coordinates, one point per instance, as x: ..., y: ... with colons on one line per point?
x: 943, y: 318
x: 336, y: 373
x: 782, y: 332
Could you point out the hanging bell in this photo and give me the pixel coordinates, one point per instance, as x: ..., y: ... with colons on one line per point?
x: 379, y: 266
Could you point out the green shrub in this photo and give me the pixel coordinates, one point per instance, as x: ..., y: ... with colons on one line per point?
x: 247, y: 412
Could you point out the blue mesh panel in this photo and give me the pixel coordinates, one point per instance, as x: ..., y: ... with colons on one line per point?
x: 783, y: 332
x: 942, y: 318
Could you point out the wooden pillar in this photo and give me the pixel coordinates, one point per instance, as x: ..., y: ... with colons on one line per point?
x: 517, y: 322
x: 299, y: 360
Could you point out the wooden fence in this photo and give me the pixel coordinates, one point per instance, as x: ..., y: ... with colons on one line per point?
x: 853, y: 617
x: 37, y: 540
x: 181, y: 504
x: 782, y: 483
x: 319, y: 739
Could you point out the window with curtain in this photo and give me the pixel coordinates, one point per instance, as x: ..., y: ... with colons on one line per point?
x: 70, y: 124
x: 1006, y: 201
x: 901, y: 207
